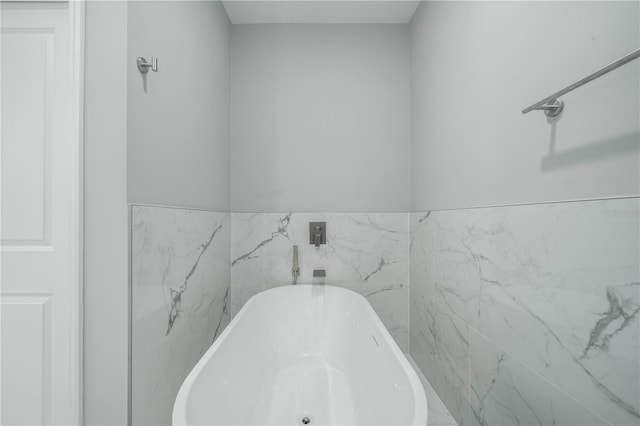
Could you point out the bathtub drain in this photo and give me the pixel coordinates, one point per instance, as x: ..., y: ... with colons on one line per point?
x: 305, y: 420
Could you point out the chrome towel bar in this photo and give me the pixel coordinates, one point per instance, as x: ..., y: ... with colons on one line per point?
x: 553, y: 105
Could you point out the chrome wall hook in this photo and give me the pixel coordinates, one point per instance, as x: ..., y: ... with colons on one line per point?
x: 143, y: 65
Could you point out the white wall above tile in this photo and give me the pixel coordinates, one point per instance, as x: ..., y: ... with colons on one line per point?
x: 178, y: 117
x: 320, y: 12
x: 477, y: 64
x: 320, y: 118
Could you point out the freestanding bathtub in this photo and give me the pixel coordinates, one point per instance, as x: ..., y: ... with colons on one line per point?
x: 303, y: 354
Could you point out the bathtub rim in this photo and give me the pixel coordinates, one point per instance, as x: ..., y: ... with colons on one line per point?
x: 178, y: 417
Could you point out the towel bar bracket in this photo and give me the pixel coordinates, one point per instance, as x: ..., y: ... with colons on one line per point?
x: 553, y: 108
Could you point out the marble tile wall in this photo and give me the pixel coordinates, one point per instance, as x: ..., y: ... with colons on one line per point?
x: 367, y: 253
x: 180, y: 283
x: 530, y: 314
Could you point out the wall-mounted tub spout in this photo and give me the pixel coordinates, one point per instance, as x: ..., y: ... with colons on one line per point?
x: 295, y: 270
x: 319, y: 276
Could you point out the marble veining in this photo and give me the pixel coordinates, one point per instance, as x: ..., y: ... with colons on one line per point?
x: 281, y: 231
x: 623, y: 310
x: 518, y: 314
x: 443, y: 348
x: 224, y: 317
x: 176, y: 293
x: 503, y: 391
x: 180, y: 290
x: 438, y: 413
x: 552, y: 289
x: 365, y: 252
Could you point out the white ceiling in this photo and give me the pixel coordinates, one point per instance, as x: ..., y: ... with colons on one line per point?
x: 320, y: 11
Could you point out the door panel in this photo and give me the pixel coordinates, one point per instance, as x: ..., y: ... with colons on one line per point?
x: 27, y: 112
x: 40, y: 261
x: 26, y: 345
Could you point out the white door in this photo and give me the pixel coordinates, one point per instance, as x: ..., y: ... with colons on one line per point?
x: 40, y: 223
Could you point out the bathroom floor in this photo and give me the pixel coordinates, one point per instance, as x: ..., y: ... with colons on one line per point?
x: 438, y: 413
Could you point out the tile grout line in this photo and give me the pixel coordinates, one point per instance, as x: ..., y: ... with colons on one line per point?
x: 515, y: 358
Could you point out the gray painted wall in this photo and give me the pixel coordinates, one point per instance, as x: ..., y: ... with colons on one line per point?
x: 476, y: 65
x: 178, y: 127
x: 105, y: 215
x: 477, y: 274
x: 320, y: 118
x: 168, y: 145
x: 320, y: 121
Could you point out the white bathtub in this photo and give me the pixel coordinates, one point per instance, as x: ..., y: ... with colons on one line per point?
x: 299, y: 351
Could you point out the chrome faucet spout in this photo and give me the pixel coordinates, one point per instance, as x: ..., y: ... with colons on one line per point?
x: 317, y: 236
